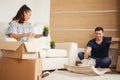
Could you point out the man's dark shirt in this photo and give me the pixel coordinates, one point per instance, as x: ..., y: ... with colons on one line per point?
x: 100, y: 50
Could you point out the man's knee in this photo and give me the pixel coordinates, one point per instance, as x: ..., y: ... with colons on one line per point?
x: 103, y: 62
x: 107, y: 60
x: 81, y: 55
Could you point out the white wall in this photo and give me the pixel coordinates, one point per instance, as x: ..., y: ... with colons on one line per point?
x: 40, y: 10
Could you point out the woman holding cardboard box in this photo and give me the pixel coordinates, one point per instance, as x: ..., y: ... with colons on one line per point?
x: 19, y: 28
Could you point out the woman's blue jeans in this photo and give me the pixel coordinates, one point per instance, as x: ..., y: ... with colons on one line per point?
x: 100, y: 62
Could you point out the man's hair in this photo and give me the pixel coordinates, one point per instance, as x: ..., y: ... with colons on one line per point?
x: 99, y: 29
x: 20, y: 14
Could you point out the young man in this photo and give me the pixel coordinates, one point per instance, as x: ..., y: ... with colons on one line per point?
x: 98, y: 47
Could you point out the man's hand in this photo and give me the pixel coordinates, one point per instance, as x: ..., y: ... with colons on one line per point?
x: 88, y: 62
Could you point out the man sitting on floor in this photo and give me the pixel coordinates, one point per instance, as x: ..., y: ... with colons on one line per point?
x: 98, y: 47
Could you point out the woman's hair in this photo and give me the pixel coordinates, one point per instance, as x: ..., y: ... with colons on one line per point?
x: 20, y: 14
x: 99, y: 29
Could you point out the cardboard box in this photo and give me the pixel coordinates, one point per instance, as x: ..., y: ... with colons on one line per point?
x: 20, y: 50
x: 118, y: 64
x: 0, y: 68
x: 114, y: 45
x: 0, y: 53
x: 18, y: 69
x: 113, y: 55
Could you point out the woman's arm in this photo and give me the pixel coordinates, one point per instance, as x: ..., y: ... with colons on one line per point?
x: 38, y: 35
x: 17, y: 36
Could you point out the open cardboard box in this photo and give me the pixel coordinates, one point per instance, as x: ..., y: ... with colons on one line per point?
x: 19, y: 69
x: 20, y: 50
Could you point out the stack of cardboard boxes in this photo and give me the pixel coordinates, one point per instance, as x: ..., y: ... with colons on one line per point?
x: 0, y: 68
x: 118, y: 65
x: 114, y: 54
x: 20, y: 61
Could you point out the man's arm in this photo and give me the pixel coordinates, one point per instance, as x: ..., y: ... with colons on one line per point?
x: 115, y: 39
x: 87, y: 52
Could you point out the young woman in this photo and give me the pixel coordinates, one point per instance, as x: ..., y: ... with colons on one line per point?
x: 19, y: 28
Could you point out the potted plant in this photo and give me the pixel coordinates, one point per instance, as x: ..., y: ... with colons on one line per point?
x: 52, y: 44
x: 45, y: 31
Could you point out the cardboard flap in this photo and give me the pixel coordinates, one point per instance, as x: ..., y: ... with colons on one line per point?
x: 10, y: 45
x: 32, y: 46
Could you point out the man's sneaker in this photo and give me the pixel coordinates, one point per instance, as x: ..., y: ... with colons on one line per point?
x: 46, y: 73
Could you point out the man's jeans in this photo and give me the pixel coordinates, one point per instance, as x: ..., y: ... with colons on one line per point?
x: 100, y: 62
